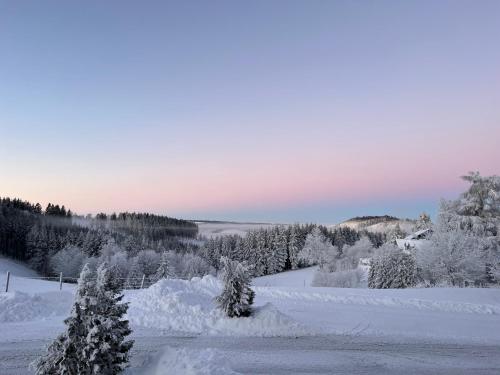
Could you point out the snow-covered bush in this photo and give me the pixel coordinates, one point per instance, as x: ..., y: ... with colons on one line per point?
x: 392, y: 268
x: 318, y: 250
x: 363, y: 248
x: 451, y: 258
x: 69, y: 261
x: 339, y: 279
x: 237, y: 297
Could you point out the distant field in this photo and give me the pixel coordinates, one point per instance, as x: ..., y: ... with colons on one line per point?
x: 213, y: 229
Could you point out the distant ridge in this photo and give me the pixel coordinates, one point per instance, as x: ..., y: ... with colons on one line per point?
x: 377, y: 219
x: 382, y: 223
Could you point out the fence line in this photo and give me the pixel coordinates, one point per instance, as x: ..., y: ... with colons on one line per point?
x: 61, y: 279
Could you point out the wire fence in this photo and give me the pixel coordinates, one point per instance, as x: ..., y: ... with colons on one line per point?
x: 128, y: 282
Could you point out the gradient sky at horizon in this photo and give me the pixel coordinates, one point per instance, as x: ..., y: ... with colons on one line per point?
x: 277, y: 111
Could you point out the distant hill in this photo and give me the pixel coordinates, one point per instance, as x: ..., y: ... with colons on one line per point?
x: 378, y: 224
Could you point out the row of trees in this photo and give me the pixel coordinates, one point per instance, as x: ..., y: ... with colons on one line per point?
x: 45, y: 238
x: 275, y: 249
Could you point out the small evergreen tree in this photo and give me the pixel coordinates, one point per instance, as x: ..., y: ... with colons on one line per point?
x: 237, y: 297
x: 392, y: 268
x: 106, y: 350
x: 164, y: 270
x: 294, y: 247
x: 64, y: 354
x: 94, y: 339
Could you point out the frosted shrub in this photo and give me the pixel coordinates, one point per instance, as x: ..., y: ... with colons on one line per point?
x: 69, y: 261
x: 318, y: 250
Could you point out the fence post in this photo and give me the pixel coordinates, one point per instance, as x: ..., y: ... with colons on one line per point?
x: 7, y: 285
x: 142, y: 282
x: 60, y: 281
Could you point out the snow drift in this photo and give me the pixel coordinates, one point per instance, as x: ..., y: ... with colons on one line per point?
x: 20, y: 307
x: 188, y: 307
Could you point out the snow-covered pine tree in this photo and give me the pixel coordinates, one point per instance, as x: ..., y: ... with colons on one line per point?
x: 260, y: 253
x: 106, y: 350
x: 294, y: 247
x: 164, y: 270
x: 237, y: 296
x: 278, y: 254
x: 64, y: 355
x: 392, y: 268
x: 250, y: 250
x: 237, y: 253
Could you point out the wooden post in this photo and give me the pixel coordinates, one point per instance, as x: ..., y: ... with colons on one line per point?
x: 7, y: 285
x: 60, y: 281
x: 142, y: 282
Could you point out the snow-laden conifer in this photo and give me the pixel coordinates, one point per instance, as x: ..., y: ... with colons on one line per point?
x: 237, y: 296
x: 392, y: 267
x: 64, y: 354
x: 164, y: 270
x: 106, y: 350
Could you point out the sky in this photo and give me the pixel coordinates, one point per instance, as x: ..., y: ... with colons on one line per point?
x: 275, y: 111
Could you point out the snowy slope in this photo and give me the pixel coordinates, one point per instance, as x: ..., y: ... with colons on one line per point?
x: 15, y: 267
x: 378, y: 225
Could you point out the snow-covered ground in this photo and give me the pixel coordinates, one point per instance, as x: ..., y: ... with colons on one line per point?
x: 296, y: 328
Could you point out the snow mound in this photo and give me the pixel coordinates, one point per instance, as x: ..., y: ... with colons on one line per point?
x: 190, y: 362
x: 21, y: 307
x: 188, y: 307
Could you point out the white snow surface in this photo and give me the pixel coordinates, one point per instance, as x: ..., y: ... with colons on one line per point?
x: 283, y: 307
x: 297, y: 279
x: 182, y: 361
x: 189, y: 307
x: 21, y: 307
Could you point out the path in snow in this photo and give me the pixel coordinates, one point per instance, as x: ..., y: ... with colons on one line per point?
x: 306, y: 355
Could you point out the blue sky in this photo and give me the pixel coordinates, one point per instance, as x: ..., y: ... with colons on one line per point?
x: 265, y: 110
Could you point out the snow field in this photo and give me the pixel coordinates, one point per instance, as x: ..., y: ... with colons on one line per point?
x: 283, y: 307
